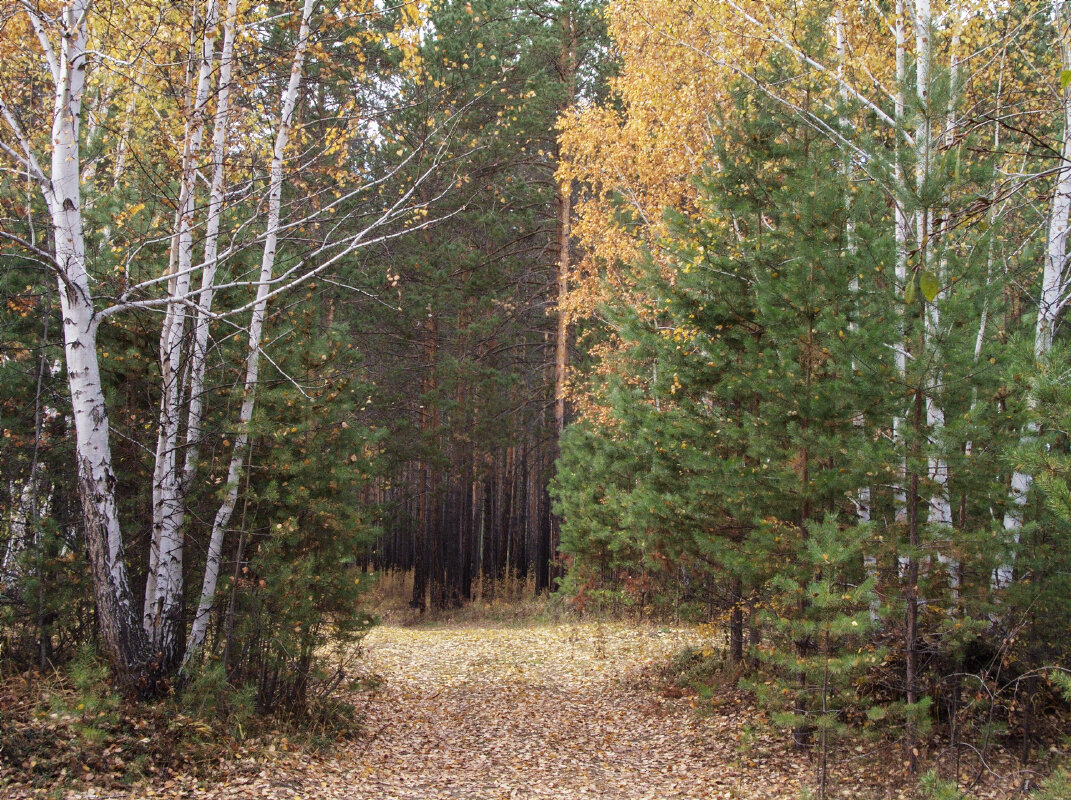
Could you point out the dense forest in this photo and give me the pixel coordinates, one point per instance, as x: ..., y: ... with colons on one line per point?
x: 739, y: 313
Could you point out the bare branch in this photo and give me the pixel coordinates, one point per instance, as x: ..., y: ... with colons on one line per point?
x: 359, y: 290
x: 775, y: 34
x: 46, y: 257
x: 46, y: 46
x: 27, y: 160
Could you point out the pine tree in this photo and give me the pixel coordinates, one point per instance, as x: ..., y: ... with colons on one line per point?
x: 1041, y: 596
x: 307, y: 522
x: 821, y: 602
x: 471, y: 346
x: 746, y: 375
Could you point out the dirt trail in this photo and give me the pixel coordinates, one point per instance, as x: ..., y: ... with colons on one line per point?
x: 541, y: 712
x: 534, y: 712
x: 565, y: 711
x: 555, y: 711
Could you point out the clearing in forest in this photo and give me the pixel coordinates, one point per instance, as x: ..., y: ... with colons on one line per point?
x: 543, y: 712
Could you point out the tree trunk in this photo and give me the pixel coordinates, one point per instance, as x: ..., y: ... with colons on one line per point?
x: 162, y: 615
x: 121, y: 632
x: 911, y: 601
x: 256, y: 327
x: 901, y: 229
x: 420, y: 543
x: 1054, y: 283
x: 567, y: 70
x: 736, y: 625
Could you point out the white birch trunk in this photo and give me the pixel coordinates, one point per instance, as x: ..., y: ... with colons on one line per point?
x: 163, y: 596
x: 115, y: 607
x: 861, y: 499
x: 198, y: 354
x: 1054, y: 285
x: 991, y: 217
x: 122, y: 147
x: 901, y: 233
x: 940, y: 510
x: 21, y: 535
x: 62, y: 41
x: 940, y: 506
x: 256, y: 325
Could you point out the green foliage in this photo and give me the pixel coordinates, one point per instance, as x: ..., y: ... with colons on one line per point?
x: 301, y: 578
x: 1056, y: 787
x: 929, y: 285
x: 772, y: 387
x: 45, y: 611
x: 210, y: 695
x: 461, y: 368
x: 819, y: 624
x: 737, y: 408
x: 94, y: 704
x: 1062, y: 679
x: 1042, y: 556
x: 703, y: 670
x: 932, y: 787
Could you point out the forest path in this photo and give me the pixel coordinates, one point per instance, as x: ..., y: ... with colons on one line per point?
x: 490, y: 713
x: 562, y: 711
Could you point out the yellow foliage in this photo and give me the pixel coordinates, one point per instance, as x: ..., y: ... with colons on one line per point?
x: 637, y: 156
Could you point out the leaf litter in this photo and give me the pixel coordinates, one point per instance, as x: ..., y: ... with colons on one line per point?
x: 554, y: 711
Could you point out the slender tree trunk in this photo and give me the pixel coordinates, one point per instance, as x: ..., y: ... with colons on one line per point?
x: 121, y: 632
x: 567, y: 68
x: 199, y: 348
x: 736, y: 624
x: 901, y: 232
x: 862, y: 497
x: 911, y: 599
x: 940, y: 506
x: 1054, y: 285
x: 561, y: 350
x: 163, y: 605
x: 983, y: 322
x: 123, y: 145
x: 256, y: 324
x: 420, y: 542
x: 434, y: 533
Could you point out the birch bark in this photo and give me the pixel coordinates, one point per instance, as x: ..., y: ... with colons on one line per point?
x: 1054, y: 286
x: 121, y: 632
x: 256, y: 327
x: 199, y: 351
x: 143, y: 639
x: 940, y: 506
x: 901, y: 233
x: 163, y: 596
x: 862, y: 496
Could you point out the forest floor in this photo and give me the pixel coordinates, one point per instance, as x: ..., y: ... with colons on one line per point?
x: 529, y: 711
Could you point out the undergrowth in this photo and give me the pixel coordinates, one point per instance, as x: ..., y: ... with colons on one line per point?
x: 509, y: 600
x: 706, y: 675
x: 70, y: 726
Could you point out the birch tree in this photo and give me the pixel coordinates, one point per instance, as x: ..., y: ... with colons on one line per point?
x: 1055, y: 282
x: 145, y: 644
x: 900, y: 129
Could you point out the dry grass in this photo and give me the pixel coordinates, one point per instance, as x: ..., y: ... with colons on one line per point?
x: 509, y: 601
